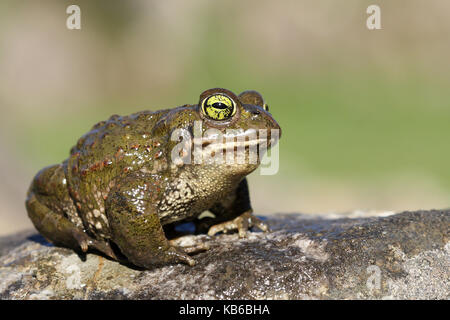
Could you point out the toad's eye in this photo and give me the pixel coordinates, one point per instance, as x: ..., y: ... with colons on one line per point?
x: 266, y: 106
x: 218, y: 107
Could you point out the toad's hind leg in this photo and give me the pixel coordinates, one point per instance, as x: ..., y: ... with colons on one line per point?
x: 54, y: 226
x: 49, y: 205
x: 132, y: 209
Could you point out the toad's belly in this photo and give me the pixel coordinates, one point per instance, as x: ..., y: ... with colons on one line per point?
x: 193, y: 193
x: 183, y: 206
x: 187, y: 204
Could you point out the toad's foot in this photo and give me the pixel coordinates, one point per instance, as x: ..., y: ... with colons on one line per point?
x: 241, y: 224
x: 190, y: 244
x: 179, y: 255
x: 86, y: 241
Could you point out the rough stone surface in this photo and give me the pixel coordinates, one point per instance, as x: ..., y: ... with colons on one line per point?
x: 402, y: 256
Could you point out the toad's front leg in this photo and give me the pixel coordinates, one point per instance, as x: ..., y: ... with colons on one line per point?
x: 135, y: 226
x: 233, y: 213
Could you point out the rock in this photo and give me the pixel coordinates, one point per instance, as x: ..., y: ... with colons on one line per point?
x: 402, y: 256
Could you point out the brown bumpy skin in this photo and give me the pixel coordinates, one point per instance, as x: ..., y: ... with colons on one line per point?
x: 49, y: 205
x: 135, y: 225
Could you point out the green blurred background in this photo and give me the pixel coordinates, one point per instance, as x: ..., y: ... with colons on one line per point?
x: 365, y: 114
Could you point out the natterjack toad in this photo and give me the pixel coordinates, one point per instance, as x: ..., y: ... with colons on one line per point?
x: 131, y: 178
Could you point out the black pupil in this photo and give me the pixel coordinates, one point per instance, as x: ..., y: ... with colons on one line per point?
x: 219, y: 105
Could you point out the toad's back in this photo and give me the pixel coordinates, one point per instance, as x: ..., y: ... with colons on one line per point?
x: 113, y: 143
x: 112, y: 149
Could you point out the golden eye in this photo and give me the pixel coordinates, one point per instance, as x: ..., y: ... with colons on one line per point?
x: 266, y: 106
x: 219, y: 107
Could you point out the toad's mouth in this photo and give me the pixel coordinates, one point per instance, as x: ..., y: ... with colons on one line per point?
x: 237, y: 146
x: 230, y: 145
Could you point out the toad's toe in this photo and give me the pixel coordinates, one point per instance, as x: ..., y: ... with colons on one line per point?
x: 241, y: 223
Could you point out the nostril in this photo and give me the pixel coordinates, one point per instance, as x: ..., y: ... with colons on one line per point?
x: 256, y: 112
